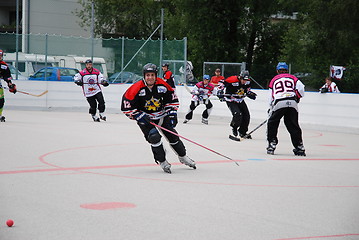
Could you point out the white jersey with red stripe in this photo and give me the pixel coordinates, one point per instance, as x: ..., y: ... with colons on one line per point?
x: 332, y: 87
x: 200, y: 90
x: 285, y: 86
x: 91, y: 81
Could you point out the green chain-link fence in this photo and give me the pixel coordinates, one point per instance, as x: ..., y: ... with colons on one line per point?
x: 121, y: 54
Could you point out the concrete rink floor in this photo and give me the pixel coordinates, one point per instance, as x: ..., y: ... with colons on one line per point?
x: 64, y: 176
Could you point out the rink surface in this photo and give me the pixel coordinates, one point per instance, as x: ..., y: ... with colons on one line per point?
x: 64, y: 176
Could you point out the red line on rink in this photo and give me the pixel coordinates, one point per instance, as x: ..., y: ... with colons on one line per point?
x: 329, y: 236
x: 316, y: 159
x: 102, y: 167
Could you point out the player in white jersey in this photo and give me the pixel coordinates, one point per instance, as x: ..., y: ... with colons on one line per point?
x: 90, y: 79
x: 329, y: 86
x: 200, y: 94
x: 285, y: 92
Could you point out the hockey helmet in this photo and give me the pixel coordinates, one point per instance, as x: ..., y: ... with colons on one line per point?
x: 165, y: 65
x: 244, y: 74
x: 282, y: 65
x: 206, y: 77
x: 88, y: 61
x: 149, y: 67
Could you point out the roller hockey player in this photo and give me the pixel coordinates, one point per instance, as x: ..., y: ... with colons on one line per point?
x: 6, y: 75
x: 200, y: 94
x: 154, y: 100
x: 167, y: 75
x: 233, y: 90
x: 285, y: 90
x: 90, y: 79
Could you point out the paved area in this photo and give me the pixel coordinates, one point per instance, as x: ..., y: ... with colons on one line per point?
x: 64, y: 176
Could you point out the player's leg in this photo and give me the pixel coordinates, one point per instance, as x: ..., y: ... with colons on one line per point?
x: 207, y: 111
x: 292, y: 125
x: 176, y: 143
x: 2, y: 103
x: 245, y: 118
x: 192, y: 107
x: 153, y: 137
x: 236, y: 117
x: 93, y: 106
x: 101, y: 105
x: 272, y: 129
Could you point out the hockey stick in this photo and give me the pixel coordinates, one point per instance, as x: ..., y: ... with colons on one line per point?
x: 154, y: 124
x: 260, y: 125
x: 31, y: 94
x: 34, y: 95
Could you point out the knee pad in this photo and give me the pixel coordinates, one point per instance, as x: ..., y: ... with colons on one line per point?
x: 154, y: 136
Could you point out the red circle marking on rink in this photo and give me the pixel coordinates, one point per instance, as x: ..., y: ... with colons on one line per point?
x: 107, y: 205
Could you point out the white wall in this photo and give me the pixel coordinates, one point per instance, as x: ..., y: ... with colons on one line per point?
x: 336, y: 112
x: 55, y: 17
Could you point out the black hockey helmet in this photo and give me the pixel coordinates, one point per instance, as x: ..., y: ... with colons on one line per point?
x: 149, y: 67
x: 244, y: 75
x: 165, y: 65
x: 88, y: 61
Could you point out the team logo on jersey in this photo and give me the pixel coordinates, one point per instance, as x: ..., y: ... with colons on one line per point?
x: 142, y: 93
x: 152, y: 104
x: 240, y: 92
x: 235, y: 84
x: 161, y: 89
x: 91, y: 81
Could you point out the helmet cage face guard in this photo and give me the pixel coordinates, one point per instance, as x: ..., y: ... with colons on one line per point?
x: 244, y: 75
x: 149, y: 67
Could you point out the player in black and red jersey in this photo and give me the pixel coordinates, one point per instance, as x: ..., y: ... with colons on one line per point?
x: 167, y: 75
x: 6, y: 75
x: 233, y: 90
x: 154, y: 100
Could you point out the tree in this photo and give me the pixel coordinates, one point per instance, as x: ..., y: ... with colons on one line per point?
x: 325, y: 34
x: 117, y: 18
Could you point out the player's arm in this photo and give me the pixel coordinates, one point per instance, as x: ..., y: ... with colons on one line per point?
x: 102, y: 80
x: 7, y: 78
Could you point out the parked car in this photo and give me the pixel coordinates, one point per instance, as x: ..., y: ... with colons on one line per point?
x: 124, y: 77
x: 302, y: 75
x: 13, y: 71
x: 55, y: 74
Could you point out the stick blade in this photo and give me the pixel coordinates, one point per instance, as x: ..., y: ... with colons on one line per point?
x: 41, y: 94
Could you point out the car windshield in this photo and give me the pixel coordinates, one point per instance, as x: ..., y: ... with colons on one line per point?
x: 41, y: 73
x: 124, y: 77
x: 68, y: 72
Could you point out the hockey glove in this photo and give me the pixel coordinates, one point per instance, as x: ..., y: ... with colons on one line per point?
x: 173, y: 118
x: 79, y: 82
x: 251, y: 95
x: 12, y: 88
x: 105, y: 83
x: 324, y: 90
x: 142, y: 118
x: 220, y: 95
